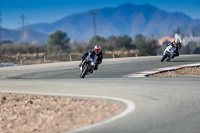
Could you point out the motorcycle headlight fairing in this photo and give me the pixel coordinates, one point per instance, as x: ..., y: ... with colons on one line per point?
x: 92, y: 63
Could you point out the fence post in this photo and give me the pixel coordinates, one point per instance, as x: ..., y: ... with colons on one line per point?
x: 44, y: 59
x: 21, y: 61
x: 70, y: 57
x: 113, y: 55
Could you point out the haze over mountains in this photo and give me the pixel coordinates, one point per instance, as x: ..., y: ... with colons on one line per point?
x: 31, y: 36
x: 126, y: 19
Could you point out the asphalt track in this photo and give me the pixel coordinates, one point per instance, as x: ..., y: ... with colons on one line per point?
x: 163, y: 105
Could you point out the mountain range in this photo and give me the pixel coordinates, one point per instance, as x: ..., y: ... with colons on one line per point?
x: 126, y: 19
x: 30, y: 36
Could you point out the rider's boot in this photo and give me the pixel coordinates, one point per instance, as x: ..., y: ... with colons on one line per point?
x: 81, y: 63
x: 80, y: 66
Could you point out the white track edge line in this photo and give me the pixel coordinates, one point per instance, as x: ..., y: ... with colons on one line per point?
x: 159, y: 70
x: 130, y: 107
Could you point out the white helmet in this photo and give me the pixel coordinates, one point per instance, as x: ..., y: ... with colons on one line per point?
x: 177, y: 41
x: 97, y: 48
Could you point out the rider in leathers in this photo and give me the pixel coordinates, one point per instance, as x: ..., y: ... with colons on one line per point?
x: 97, y: 50
x: 177, y: 45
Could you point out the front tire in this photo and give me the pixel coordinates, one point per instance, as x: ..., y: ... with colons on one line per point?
x: 163, y: 58
x: 84, y: 71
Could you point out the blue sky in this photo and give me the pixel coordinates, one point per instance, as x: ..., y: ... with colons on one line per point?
x: 37, y: 11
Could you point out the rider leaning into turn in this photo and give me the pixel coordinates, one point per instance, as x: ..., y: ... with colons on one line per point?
x: 97, y: 50
x: 177, y: 45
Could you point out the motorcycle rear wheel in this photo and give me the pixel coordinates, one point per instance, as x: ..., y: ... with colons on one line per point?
x: 168, y: 59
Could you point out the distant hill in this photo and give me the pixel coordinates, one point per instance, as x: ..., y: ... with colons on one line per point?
x: 192, y: 30
x: 126, y: 19
x: 29, y: 36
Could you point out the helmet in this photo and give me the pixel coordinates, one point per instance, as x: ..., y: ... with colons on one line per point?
x: 97, y: 49
x: 177, y: 41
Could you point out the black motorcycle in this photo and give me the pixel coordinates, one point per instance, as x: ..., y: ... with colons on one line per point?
x: 88, y: 65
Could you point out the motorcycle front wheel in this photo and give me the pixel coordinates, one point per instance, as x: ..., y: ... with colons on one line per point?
x: 84, y: 71
x: 163, y: 58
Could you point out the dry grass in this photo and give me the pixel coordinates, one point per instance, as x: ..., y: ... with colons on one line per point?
x: 22, y: 113
x: 190, y: 71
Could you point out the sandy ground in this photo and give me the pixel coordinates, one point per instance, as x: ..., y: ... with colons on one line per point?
x: 190, y: 71
x: 21, y: 113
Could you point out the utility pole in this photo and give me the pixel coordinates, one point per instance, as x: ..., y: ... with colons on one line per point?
x: 1, y: 37
x: 94, y: 21
x: 23, y: 29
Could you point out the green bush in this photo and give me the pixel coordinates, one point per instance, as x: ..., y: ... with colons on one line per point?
x: 3, y: 98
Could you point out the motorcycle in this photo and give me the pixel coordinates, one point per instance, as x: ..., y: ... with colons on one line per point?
x: 168, y: 53
x: 88, y: 65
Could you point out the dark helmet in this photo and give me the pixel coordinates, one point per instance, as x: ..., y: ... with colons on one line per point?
x: 97, y: 49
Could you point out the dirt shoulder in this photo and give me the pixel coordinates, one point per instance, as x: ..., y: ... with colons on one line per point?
x: 190, y: 71
x: 22, y: 113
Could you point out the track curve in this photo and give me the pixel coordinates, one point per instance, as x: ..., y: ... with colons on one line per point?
x: 110, y: 68
x: 162, y: 104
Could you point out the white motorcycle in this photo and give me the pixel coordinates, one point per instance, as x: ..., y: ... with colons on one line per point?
x: 168, y: 53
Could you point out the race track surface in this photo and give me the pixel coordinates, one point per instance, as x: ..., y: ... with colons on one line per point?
x: 163, y: 105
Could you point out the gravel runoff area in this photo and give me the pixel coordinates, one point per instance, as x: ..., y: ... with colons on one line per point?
x: 23, y: 113
x: 190, y: 71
